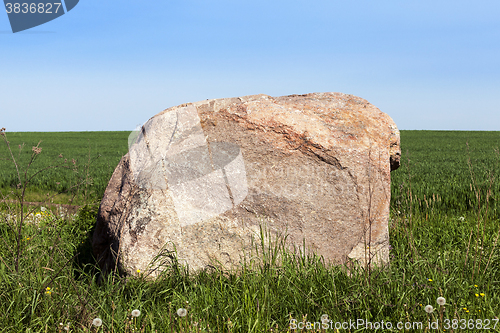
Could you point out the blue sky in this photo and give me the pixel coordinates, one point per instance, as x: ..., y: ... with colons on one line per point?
x: 111, y: 65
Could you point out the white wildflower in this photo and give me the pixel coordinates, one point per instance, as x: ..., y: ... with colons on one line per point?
x: 97, y: 322
x: 182, y: 312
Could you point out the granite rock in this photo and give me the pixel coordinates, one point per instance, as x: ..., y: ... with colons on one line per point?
x: 201, y: 180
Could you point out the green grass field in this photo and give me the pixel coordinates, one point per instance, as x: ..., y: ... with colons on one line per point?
x: 439, y: 166
x: 444, y: 230
x: 96, y: 155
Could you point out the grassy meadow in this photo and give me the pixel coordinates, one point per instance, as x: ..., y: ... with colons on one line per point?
x: 95, y: 156
x: 444, y: 235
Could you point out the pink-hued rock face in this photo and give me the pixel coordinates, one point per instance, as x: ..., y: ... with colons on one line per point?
x: 203, y: 178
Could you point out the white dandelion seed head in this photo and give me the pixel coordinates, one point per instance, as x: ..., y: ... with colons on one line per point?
x: 429, y: 308
x: 441, y: 300
x: 97, y: 322
x: 136, y: 313
x: 182, y: 312
x: 324, y: 318
x: 43, y: 209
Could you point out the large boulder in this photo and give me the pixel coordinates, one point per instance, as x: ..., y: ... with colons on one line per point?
x: 201, y: 180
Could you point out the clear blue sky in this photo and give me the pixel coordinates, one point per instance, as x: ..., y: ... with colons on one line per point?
x: 111, y: 65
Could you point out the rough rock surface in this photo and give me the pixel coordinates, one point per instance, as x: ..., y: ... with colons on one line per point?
x: 201, y: 179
